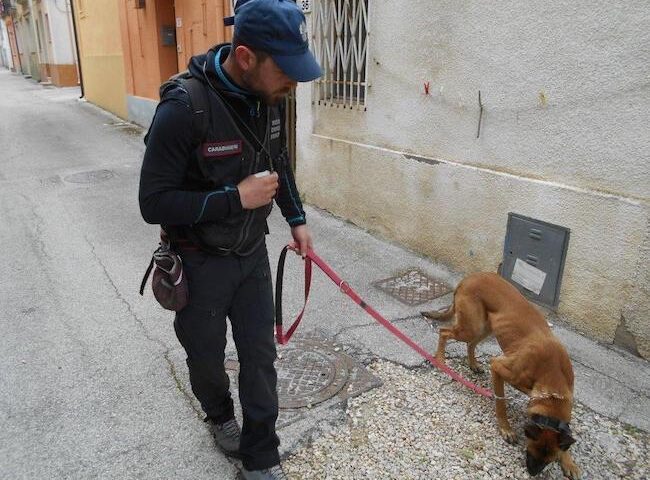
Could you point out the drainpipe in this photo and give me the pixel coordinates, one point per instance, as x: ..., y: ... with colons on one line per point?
x: 76, y: 46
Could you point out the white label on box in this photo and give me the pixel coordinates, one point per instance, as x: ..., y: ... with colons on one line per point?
x: 179, y: 22
x: 529, y: 277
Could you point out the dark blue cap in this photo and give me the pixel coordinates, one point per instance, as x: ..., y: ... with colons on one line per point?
x: 278, y: 27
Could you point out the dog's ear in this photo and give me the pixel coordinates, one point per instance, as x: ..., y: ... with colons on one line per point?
x: 566, y: 440
x: 532, y: 431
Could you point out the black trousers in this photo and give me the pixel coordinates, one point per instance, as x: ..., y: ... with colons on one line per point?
x: 239, y: 288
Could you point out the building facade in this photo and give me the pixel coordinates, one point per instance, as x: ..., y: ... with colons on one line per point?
x: 21, y: 24
x: 8, y: 22
x: 434, y: 122
x: 101, y: 54
x: 58, y: 62
x: 159, y: 37
x: 41, y: 40
x: 6, y: 58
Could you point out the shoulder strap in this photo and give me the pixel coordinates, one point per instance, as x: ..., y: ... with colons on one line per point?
x: 239, y: 120
x: 200, y: 104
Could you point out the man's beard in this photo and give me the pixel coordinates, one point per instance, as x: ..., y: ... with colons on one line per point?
x: 271, y: 100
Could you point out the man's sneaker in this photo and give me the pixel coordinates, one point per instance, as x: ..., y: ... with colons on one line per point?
x: 273, y: 473
x: 227, y: 435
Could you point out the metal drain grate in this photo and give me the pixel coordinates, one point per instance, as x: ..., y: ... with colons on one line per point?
x: 413, y: 287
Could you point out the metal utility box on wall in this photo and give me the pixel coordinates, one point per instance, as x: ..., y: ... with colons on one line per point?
x: 168, y: 35
x: 534, y: 253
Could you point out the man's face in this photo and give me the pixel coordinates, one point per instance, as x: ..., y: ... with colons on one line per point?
x: 267, y: 80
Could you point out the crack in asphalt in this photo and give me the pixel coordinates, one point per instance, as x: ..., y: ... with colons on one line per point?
x: 37, y: 232
x: 143, y: 329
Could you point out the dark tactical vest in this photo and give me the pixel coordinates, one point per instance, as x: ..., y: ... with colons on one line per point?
x: 226, y: 154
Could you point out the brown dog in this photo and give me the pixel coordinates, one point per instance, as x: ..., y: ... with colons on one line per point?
x: 533, y: 361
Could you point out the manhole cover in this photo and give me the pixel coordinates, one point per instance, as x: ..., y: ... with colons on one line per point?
x: 313, y: 371
x: 94, y: 176
x: 307, y: 377
x: 413, y: 287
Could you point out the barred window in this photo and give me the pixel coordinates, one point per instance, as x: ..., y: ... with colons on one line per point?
x: 341, y: 46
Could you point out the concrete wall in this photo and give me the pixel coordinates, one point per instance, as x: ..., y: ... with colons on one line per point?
x: 141, y: 110
x: 43, y: 34
x: 564, y: 139
x: 6, y: 59
x: 13, y: 43
x: 62, y: 50
x: 25, y: 39
x: 102, y: 58
x: 40, y: 40
x: 59, y: 40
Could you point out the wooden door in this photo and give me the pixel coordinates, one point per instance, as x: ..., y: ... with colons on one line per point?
x: 199, y: 26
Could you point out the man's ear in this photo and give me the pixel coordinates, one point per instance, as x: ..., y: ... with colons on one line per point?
x: 566, y: 440
x: 532, y: 431
x: 245, y: 58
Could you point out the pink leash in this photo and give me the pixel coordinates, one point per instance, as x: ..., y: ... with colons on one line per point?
x: 345, y: 288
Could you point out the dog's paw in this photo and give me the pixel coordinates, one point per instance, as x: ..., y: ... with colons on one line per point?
x: 508, y: 435
x: 570, y: 470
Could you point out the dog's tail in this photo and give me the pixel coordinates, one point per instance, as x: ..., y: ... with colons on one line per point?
x: 440, y: 315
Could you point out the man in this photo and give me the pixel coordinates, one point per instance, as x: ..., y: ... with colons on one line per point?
x: 212, y: 197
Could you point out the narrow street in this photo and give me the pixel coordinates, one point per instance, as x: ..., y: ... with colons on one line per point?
x: 88, y: 380
x: 93, y: 382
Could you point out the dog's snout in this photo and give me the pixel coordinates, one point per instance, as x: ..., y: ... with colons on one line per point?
x: 533, y: 465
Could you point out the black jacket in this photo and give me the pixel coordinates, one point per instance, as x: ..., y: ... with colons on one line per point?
x: 170, y: 194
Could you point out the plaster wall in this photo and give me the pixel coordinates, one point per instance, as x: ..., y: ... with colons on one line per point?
x: 563, y: 139
x: 102, y: 56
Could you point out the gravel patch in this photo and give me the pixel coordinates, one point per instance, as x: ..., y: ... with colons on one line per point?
x: 420, y: 425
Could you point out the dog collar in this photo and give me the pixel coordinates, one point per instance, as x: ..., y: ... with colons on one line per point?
x: 551, y: 423
x: 544, y: 396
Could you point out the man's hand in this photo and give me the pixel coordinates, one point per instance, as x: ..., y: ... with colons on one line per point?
x: 302, y: 239
x: 255, y: 192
